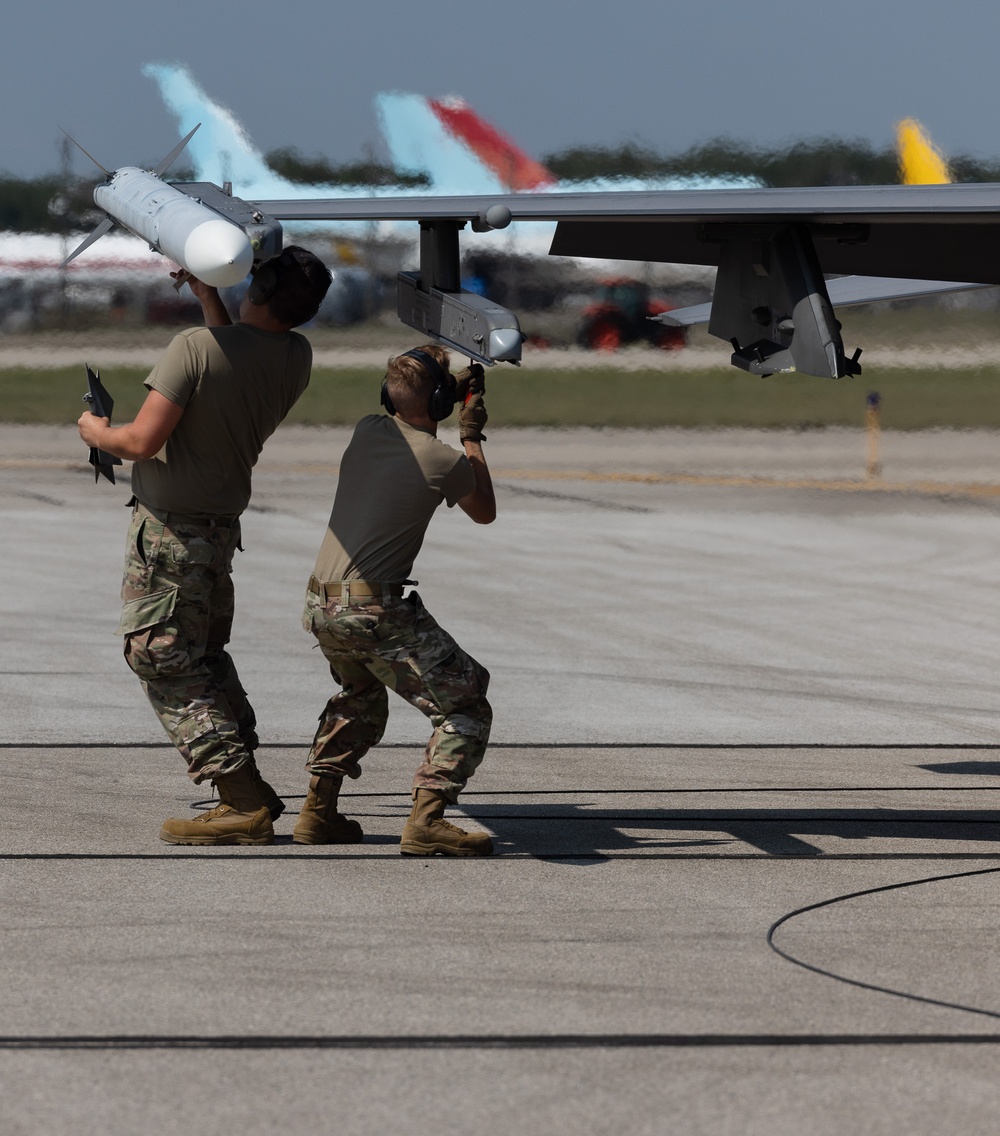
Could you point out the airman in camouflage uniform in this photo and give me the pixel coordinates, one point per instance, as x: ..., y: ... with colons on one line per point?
x: 397, y: 644
x: 177, y: 612
x: 216, y: 395
x: 393, y: 476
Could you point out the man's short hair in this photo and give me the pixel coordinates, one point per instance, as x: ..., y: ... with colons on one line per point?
x: 303, y: 281
x: 409, y: 382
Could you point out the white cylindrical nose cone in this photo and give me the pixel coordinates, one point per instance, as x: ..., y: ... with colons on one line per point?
x: 218, y: 253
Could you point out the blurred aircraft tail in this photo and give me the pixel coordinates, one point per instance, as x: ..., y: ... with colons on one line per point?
x: 444, y: 139
x: 458, y: 150
x: 222, y: 150
x: 920, y: 162
x: 516, y: 169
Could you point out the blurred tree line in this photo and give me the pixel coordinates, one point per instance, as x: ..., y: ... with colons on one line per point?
x: 31, y: 206
x: 47, y: 205
x: 317, y: 171
x: 815, y: 161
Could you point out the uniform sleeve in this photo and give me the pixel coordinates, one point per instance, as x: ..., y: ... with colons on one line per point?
x: 178, y: 372
x: 300, y: 372
x: 459, y: 481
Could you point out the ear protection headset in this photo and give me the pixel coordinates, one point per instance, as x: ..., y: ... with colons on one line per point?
x: 442, y: 400
x: 269, y: 277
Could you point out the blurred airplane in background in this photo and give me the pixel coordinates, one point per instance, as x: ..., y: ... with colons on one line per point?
x: 123, y: 278
x: 423, y: 134
x: 459, y: 152
x: 920, y: 161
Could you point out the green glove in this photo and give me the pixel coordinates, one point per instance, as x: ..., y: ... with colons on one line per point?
x: 472, y: 416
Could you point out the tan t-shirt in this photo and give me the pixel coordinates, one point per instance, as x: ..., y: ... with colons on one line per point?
x: 392, y: 478
x: 236, y: 384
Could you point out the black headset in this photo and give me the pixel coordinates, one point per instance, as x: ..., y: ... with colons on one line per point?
x: 442, y: 400
x: 269, y: 277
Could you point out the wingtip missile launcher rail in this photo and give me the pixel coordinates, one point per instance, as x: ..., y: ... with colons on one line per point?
x: 434, y: 302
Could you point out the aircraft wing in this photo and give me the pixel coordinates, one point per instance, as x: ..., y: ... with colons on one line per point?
x: 844, y: 291
x: 924, y: 232
x: 773, y: 248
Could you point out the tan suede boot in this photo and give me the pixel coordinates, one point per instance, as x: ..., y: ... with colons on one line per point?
x: 427, y: 832
x: 272, y: 802
x: 241, y: 817
x: 319, y: 822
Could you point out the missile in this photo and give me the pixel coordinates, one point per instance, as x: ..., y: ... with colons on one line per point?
x: 177, y: 224
x: 183, y: 229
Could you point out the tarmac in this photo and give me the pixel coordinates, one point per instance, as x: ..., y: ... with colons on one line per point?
x: 743, y: 789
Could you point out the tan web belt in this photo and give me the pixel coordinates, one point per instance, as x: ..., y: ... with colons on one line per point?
x: 352, y: 589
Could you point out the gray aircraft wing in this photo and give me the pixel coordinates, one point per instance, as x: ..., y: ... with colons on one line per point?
x: 923, y: 232
x: 844, y: 292
x: 773, y: 248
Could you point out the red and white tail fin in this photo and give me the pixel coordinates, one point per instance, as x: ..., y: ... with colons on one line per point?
x: 496, y: 150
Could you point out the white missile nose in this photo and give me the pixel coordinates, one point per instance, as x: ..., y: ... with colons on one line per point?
x: 218, y: 253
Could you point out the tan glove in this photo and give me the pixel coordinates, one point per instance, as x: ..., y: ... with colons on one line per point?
x: 472, y: 416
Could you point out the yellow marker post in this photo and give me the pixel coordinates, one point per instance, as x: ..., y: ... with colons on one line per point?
x: 873, y: 423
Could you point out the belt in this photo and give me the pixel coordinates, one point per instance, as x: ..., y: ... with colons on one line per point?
x: 346, y: 590
x: 172, y: 518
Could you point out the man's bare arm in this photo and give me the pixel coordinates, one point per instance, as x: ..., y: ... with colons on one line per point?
x: 481, y: 503
x: 138, y: 440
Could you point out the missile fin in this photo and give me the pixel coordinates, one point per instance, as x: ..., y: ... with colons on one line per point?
x: 168, y: 161
x: 104, y: 227
x: 81, y: 149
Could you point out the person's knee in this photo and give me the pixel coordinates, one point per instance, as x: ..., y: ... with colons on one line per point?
x: 157, y: 652
x: 458, y: 683
x: 471, y: 722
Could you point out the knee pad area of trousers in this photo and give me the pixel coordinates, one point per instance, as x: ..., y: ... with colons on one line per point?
x: 157, y: 652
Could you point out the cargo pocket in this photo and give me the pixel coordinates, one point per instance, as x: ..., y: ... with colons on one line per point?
x: 153, y: 646
x: 147, y: 611
x: 454, y: 681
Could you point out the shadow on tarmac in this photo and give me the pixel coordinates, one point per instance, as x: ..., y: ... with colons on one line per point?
x: 576, y: 830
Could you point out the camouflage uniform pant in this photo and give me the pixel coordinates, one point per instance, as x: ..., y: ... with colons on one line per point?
x: 177, y: 613
x: 372, y: 644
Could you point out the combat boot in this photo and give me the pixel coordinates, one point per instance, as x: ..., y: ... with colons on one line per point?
x: 319, y: 822
x: 272, y: 802
x: 427, y: 832
x: 241, y: 817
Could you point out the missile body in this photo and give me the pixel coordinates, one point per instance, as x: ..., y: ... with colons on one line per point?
x: 196, y: 237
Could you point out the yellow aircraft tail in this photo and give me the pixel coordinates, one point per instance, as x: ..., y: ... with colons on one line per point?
x: 920, y: 163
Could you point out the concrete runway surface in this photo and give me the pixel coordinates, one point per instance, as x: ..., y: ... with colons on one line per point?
x: 734, y: 684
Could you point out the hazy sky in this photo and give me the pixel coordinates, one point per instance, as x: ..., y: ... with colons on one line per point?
x: 549, y: 72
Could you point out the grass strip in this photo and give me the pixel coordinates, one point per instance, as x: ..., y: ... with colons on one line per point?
x: 911, y: 400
